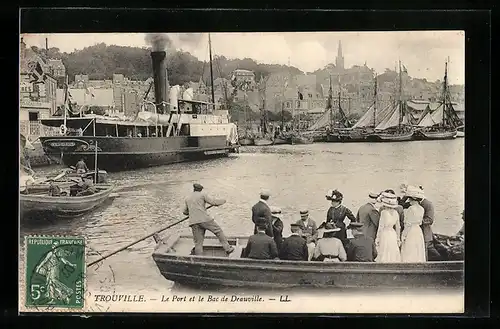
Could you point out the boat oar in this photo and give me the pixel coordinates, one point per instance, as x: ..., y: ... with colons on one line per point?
x: 139, y: 240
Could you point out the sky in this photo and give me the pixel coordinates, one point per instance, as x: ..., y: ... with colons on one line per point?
x: 422, y: 52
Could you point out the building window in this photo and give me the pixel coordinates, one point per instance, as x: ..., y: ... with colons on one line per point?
x: 33, y: 116
x: 288, y: 105
x: 310, y: 95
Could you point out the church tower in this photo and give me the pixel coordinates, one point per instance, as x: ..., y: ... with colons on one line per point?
x: 339, y: 61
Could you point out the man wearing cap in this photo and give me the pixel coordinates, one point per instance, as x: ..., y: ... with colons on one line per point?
x: 261, y: 213
x: 329, y: 248
x: 295, y: 246
x: 369, y: 216
x: 361, y: 248
x: 337, y: 214
x: 200, y: 221
x: 277, y: 226
x: 260, y: 245
x: 309, y: 230
x: 427, y: 221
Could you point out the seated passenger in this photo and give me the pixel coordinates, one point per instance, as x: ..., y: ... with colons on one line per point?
x: 260, y: 245
x: 277, y: 226
x: 309, y: 230
x: 54, y: 190
x: 295, y: 246
x: 329, y: 248
x: 86, y: 187
x: 81, y: 167
x: 361, y: 248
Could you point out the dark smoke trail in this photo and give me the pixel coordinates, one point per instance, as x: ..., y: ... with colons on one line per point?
x: 158, y: 41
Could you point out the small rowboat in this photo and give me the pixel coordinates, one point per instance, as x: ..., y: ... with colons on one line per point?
x: 41, y: 205
x: 175, y: 262
x: 263, y: 142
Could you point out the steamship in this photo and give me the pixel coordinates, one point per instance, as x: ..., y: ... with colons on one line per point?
x: 178, y: 131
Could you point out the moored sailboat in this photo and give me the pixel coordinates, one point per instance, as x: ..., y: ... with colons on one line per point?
x: 265, y: 137
x: 442, y: 122
x: 396, y: 126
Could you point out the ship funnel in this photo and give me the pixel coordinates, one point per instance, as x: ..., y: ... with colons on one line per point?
x: 160, y: 79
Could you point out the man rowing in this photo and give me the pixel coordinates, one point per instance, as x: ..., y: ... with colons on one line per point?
x: 200, y: 221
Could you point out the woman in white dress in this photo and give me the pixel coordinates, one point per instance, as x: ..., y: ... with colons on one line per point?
x: 389, y: 229
x: 413, y: 246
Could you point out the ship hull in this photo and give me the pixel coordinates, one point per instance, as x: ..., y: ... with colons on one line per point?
x: 435, y: 135
x: 246, y: 141
x: 388, y: 137
x: 123, y: 153
x: 280, y: 141
x: 349, y: 138
x: 263, y: 142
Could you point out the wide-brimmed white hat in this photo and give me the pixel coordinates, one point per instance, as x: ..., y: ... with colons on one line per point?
x: 414, y: 192
x: 388, y: 200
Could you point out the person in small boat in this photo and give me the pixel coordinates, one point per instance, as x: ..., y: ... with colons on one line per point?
x: 200, y: 221
x: 413, y: 246
x: 400, y: 209
x: 388, y: 240
x: 461, y: 232
x: 361, y: 248
x: 369, y: 216
x: 86, y: 187
x: 81, y: 167
x: 261, y: 213
x: 338, y: 214
x: 295, y: 246
x: 309, y: 230
x: 277, y: 225
x: 427, y: 221
x: 329, y: 248
x: 54, y: 190
x: 260, y: 245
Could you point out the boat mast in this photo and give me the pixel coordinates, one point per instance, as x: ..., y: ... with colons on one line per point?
x: 375, y: 103
x: 400, y: 97
x: 211, y: 69
x: 330, y: 101
x: 445, y: 89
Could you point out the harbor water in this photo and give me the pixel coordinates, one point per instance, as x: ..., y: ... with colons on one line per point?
x: 298, y: 176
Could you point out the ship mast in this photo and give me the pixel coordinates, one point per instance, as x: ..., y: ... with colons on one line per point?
x: 211, y: 69
x: 375, y: 103
x: 400, y: 97
x: 330, y: 101
x: 445, y: 94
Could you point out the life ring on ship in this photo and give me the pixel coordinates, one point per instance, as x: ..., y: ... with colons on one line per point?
x: 63, y: 129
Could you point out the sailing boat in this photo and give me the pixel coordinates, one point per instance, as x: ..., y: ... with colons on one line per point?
x: 395, y: 127
x: 442, y: 122
x: 296, y: 136
x: 341, y: 131
x: 264, y: 138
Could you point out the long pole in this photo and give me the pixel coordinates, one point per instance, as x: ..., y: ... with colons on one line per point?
x: 66, y: 106
x: 211, y: 69
x: 95, y: 164
x: 139, y: 240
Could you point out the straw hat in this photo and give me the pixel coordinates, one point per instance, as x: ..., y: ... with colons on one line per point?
x: 388, y: 200
x: 415, y: 192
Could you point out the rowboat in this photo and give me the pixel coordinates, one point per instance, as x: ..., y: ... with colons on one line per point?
x: 173, y: 257
x: 246, y: 141
x: 40, y: 205
x: 263, y: 141
x: 301, y: 139
x: 461, y: 131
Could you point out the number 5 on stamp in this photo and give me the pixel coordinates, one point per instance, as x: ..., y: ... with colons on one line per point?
x: 55, y: 271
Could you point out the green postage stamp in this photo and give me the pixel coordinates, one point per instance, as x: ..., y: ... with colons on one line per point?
x: 55, y: 271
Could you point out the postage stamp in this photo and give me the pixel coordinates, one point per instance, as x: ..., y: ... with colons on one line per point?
x: 55, y: 271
